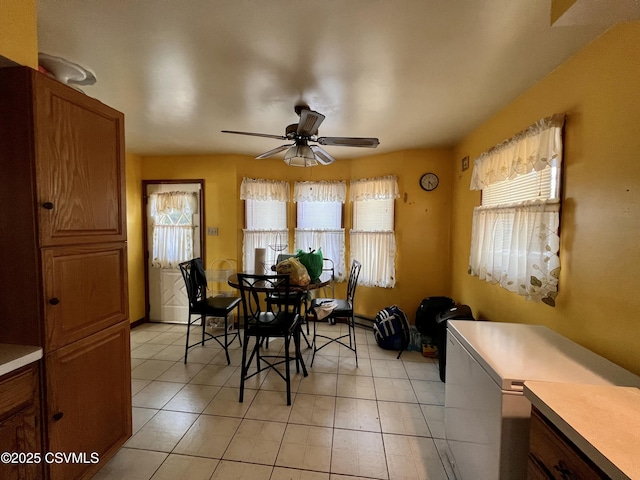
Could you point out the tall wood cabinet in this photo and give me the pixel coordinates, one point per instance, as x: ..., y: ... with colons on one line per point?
x: 64, y: 272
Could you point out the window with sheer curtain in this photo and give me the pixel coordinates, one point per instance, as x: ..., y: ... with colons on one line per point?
x: 515, y: 238
x: 372, y: 237
x: 319, y: 221
x: 172, y: 215
x: 265, y: 217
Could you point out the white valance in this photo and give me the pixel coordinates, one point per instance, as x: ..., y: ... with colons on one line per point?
x: 168, y: 202
x: 320, y: 191
x: 264, y: 190
x: 374, y: 188
x: 533, y: 149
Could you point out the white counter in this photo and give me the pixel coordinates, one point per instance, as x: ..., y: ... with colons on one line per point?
x: 13, y: 357
x: 602, y: 421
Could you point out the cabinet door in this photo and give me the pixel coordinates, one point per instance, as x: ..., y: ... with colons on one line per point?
x: 79, y: 155
x: 19, y: 423
x: 85, y: 290
x: 89, y: 400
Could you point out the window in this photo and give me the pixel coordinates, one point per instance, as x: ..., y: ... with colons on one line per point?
x: 372, y: 238
x: 172, y: 214
x: 515, y: 232
x: 266, y: 220
x: 319, y: 215
x: 319, y: 221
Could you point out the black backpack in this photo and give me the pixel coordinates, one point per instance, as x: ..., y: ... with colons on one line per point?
x: 427, y: 312
x: 391, y: 329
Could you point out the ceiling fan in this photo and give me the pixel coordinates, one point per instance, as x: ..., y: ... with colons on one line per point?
x: 300, y: 153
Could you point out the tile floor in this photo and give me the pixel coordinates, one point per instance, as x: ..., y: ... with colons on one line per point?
x: 381, y: 420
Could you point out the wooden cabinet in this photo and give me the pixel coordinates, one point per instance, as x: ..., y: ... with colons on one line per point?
x: 62, y: 189
x: 80, y: 192
x: 553, y: 456
x: 85, y: 290
x: 20, y: 423
x: 92, y: 416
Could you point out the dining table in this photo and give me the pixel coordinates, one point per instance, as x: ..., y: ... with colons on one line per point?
x: 268, y: 288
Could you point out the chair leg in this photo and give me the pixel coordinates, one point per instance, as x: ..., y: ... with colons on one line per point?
x: 287, y: 369
x: 186, y: 348
x: 299, y: 359
x: 352, y: 329
x: 203, y: 319
x: 226, y: 340
x: 243, y: 368
x: 315, y: 345
x: 238, y: 330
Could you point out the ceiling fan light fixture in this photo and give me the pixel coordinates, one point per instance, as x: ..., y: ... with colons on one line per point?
x: 300, y: 156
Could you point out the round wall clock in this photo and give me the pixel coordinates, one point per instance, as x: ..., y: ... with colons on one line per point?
x: 429, y: 181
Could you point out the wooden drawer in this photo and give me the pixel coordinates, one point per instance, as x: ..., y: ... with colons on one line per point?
x: 20, y: 423
x: 18, y: 389
x: 85, y: 291
x: 553, y: 456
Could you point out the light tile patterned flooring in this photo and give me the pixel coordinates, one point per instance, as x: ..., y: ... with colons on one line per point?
x: 381, y: 420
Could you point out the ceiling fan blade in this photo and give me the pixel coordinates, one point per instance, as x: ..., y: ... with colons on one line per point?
x: 279, y: 137
x: 309, y: 122
x: 349, y: 142
x: 323, y: 157
x: 274, y: 151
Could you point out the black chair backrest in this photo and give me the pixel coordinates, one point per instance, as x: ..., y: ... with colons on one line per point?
x: 253, y: 287
x: 353, y: 280
x: 195, y: 279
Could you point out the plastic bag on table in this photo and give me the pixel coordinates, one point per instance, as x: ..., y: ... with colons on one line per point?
x: 297, y: 272
x: 312, y: 261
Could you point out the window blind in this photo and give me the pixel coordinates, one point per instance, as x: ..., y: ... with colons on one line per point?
x: 373, y: 215
x: 266, y: 214
x: 319, y: 215
x: 542, y: 185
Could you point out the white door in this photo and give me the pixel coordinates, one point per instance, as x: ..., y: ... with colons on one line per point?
x: 167, y: 293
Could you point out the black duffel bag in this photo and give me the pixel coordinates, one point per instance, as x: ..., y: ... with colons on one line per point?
x: 427, y: 312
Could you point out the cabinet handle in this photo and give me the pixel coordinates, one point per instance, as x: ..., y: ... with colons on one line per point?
x: 564, y: 471
x: 48, y: 205
x: 57, y: 416
x: 54, y: 301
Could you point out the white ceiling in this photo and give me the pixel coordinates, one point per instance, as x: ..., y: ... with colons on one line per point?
x: 414, y: 73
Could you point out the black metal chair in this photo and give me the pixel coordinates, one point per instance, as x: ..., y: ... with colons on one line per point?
x: 292, y: 298
x: 279, y: 319
x: 343, y: 309
x: 201, y: 306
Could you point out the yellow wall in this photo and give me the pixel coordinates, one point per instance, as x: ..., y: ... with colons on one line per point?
x: 19, y: 35
x: 422, y: 218
x: 598, y: 301
x: 134, y: 238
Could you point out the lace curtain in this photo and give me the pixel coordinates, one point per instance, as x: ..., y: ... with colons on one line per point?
x: 374, y: 189
x: 320, y: 192
x: 376, y: 250
x: 517, y: 245
x: 260, y: 239
x: 172, y: 214
x: 259, y: 189
x: 167, y: 202
x: 534, y: 149
x: 377, y: 253
x: 262, y: 190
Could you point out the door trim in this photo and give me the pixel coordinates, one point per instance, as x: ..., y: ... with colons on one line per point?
x: 145, y: 236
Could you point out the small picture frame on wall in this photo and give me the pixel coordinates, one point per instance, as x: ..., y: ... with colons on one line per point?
x: 465, y: 163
